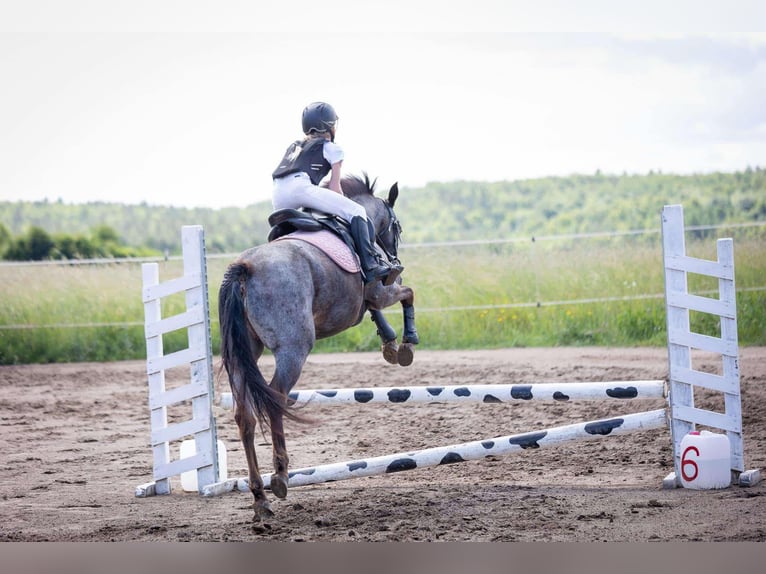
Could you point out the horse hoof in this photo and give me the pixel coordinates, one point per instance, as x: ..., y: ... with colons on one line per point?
x: 390, y: 352
x: 411, y: 338
x: 262, y: 510
x: 405, y: 355
x: 279, y: 486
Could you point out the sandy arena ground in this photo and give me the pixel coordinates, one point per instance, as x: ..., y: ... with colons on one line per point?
x: 75, y: 445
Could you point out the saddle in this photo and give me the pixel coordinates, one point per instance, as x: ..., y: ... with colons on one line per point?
x: 286, y: 221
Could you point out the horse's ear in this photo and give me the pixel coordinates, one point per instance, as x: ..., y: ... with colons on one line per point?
x: 393, y: 193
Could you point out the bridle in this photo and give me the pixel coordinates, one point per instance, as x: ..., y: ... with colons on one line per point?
x: 393, y: 227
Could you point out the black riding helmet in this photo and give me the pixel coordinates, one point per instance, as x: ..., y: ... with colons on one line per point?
x: 319, y: 117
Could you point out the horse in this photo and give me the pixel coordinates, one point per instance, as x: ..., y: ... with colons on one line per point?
x: 285, y: 295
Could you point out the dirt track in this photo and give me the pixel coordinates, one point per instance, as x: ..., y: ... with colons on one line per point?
x: 75, y: 446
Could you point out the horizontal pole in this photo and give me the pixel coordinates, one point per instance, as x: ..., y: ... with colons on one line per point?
x: 488, y: 394
x: 459, y: 453
x: 561, y: 392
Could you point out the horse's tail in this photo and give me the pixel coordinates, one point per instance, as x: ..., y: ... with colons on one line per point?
x: 248, y: 385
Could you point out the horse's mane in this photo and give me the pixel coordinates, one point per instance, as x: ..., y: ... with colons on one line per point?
x: 354, y: 185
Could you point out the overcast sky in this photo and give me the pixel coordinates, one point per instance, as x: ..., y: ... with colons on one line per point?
x: 192, y: 104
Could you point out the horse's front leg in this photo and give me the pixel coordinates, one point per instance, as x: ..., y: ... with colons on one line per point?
x: 387, y: 336
x: 410, y: 337
x: 377, y: 297
x: 410, y: 332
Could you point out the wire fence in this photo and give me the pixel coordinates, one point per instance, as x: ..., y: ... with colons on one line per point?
x: 404, y: 247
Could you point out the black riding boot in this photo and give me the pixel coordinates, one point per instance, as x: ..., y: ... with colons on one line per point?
x: 373, y: 266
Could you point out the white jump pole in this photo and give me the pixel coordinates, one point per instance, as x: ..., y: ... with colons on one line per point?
x: 486, y: 393
x: 495, y: 393
x: 474, y: 450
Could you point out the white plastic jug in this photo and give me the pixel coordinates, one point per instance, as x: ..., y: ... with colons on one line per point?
x: 227, y: 401
x: 705, y: 460
x: 189, y: 478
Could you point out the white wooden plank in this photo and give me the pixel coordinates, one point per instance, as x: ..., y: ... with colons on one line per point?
x: 154, y: 348
x: 700, y: 379
x: 701, y: 304
x: 193, y: 239
x: 152, y: 308
x: 176, y: 467
x: 161, y: 455
x: 178, y: 430
x: 699, y: 266
x: 147, y: 489
x: 150, y: 274
x: 703, y: 342
x: 156, y: 381
x: 750, y: 477
x: 175, y: 322
x: 707, y: 418
x: 219, y: 488
x: 176, y: 359
x: 180, y: 394
x: 170, y: 287
x: 674, y: 246
x: 732, y: 401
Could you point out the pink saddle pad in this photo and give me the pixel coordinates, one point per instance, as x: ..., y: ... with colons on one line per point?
x: 332, y: 245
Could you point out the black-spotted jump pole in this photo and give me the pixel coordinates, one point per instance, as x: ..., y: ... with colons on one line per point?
x: 467, y: 451
x: 492, y: 393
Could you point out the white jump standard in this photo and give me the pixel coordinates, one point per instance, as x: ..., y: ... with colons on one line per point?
x: 683, y: 378
x: 199, y: 357
x: 681, y: 416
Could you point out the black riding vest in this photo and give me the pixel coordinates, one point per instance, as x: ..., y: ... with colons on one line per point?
x: 306, y: 156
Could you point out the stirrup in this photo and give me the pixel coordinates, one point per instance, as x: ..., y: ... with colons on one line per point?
x: 393, y: 275
x: 386, y: 274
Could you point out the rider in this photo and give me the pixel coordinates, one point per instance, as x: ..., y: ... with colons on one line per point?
x: 296, y: 184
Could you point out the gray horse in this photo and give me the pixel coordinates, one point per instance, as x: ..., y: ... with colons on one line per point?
x: 285, y: 295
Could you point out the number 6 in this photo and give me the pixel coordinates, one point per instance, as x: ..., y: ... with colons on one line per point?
x: 685, y: 463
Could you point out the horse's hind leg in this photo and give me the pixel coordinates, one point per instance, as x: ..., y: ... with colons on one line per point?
x: 279, y: 478
x: 288, y: 366
x: 246, y: 424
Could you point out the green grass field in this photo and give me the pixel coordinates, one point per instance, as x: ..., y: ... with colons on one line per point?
x: 547, y: 293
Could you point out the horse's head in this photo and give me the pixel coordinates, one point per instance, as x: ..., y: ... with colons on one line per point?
x: 380, y: 211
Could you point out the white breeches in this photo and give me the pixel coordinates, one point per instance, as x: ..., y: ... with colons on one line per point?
x: 296, y: 191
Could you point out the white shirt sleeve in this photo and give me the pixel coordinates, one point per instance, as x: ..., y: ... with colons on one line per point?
x: 332, y: 152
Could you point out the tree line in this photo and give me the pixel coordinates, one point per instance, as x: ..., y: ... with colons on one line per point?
x: 458, y: 210
x: 36, y: 244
